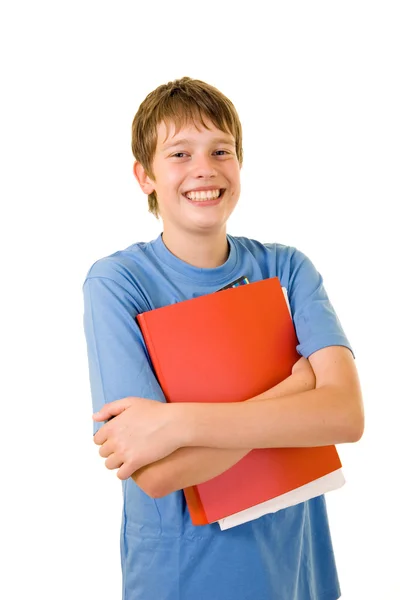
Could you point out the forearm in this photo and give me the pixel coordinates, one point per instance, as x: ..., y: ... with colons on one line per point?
x: 319, y: 417
x: 192, y: 465
x: 185, y: 467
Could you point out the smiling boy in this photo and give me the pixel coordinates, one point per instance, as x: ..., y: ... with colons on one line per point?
x: 187, y: 142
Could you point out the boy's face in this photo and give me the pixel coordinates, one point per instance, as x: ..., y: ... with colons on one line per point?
x: 195, y: 160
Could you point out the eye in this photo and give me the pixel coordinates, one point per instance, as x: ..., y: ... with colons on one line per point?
x: 225, y: 152
x: 178, y: 154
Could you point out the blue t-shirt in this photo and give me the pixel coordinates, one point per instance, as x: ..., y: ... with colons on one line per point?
x: 285, y: 555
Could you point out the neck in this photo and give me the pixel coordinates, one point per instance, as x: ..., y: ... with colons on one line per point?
x: 202, y: 251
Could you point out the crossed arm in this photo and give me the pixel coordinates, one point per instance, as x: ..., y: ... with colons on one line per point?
x: 320, y: 403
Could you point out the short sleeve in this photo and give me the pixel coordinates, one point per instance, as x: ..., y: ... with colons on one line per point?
x: 316, y: 323
x: 119, y: 365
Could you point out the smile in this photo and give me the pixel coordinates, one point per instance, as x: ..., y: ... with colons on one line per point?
x: 204, y: 195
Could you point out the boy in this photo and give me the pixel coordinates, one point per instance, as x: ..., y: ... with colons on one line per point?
x: 187, y: 142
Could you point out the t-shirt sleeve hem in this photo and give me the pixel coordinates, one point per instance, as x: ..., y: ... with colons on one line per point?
x: 319, y: 342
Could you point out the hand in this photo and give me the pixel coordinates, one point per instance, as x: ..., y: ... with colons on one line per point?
x: 304, y: 371
x: 143, y: 432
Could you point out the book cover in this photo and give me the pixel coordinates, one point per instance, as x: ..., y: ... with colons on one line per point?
x: 229, y: 347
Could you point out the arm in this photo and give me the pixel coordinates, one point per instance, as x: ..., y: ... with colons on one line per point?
x: 332, y: 413
x: 192, y: 465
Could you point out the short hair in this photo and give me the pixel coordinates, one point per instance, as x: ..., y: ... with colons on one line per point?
x: 180, y: 101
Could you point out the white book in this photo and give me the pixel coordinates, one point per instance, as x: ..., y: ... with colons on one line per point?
x: 315, y: 488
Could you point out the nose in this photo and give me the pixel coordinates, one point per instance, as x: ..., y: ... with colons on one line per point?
x: 204, y: 167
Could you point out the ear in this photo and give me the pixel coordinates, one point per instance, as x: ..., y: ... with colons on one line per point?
x: 143, y: 179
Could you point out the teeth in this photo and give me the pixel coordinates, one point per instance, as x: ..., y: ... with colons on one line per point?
x: 201, y: 196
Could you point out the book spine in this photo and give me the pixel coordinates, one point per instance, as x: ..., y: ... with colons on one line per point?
x: 141, y: 318
x: 195, y: 506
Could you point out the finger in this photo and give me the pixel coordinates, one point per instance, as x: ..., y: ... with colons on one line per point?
x: 113, y: 462
x: 125, y: 471
x: 106, y: 449
x: 112, y: 409
x: 134, y: 463
x: 299, y: 364
x: 101, y: 435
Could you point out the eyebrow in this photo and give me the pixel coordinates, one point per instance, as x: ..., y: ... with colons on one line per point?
x: 186, y: 141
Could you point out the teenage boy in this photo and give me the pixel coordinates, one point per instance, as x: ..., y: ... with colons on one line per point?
x: 187, y: 142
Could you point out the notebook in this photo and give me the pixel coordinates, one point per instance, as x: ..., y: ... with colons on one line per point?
x: 228, y: 347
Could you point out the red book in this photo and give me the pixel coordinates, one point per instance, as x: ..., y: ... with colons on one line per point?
x: 228, y: 347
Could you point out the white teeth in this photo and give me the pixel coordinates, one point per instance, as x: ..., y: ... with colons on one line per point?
x: 203, y: 195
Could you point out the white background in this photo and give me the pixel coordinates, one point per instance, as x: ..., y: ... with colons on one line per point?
x: 316, y: 85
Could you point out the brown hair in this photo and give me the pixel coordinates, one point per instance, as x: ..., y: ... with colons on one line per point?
x: 181, y: 101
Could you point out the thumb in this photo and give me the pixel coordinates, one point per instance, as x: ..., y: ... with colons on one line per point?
x: 111, y: 409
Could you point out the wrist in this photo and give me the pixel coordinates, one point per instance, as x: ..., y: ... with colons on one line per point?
x: 207, y: 424
x: 183, y: 423
x: 198, y: 423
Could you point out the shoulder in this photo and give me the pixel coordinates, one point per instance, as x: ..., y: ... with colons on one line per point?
x: 120, y: 266
x: 274, y: 248
x: 316, y: 323
x: 123, y: 279
x: 282, y: 260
